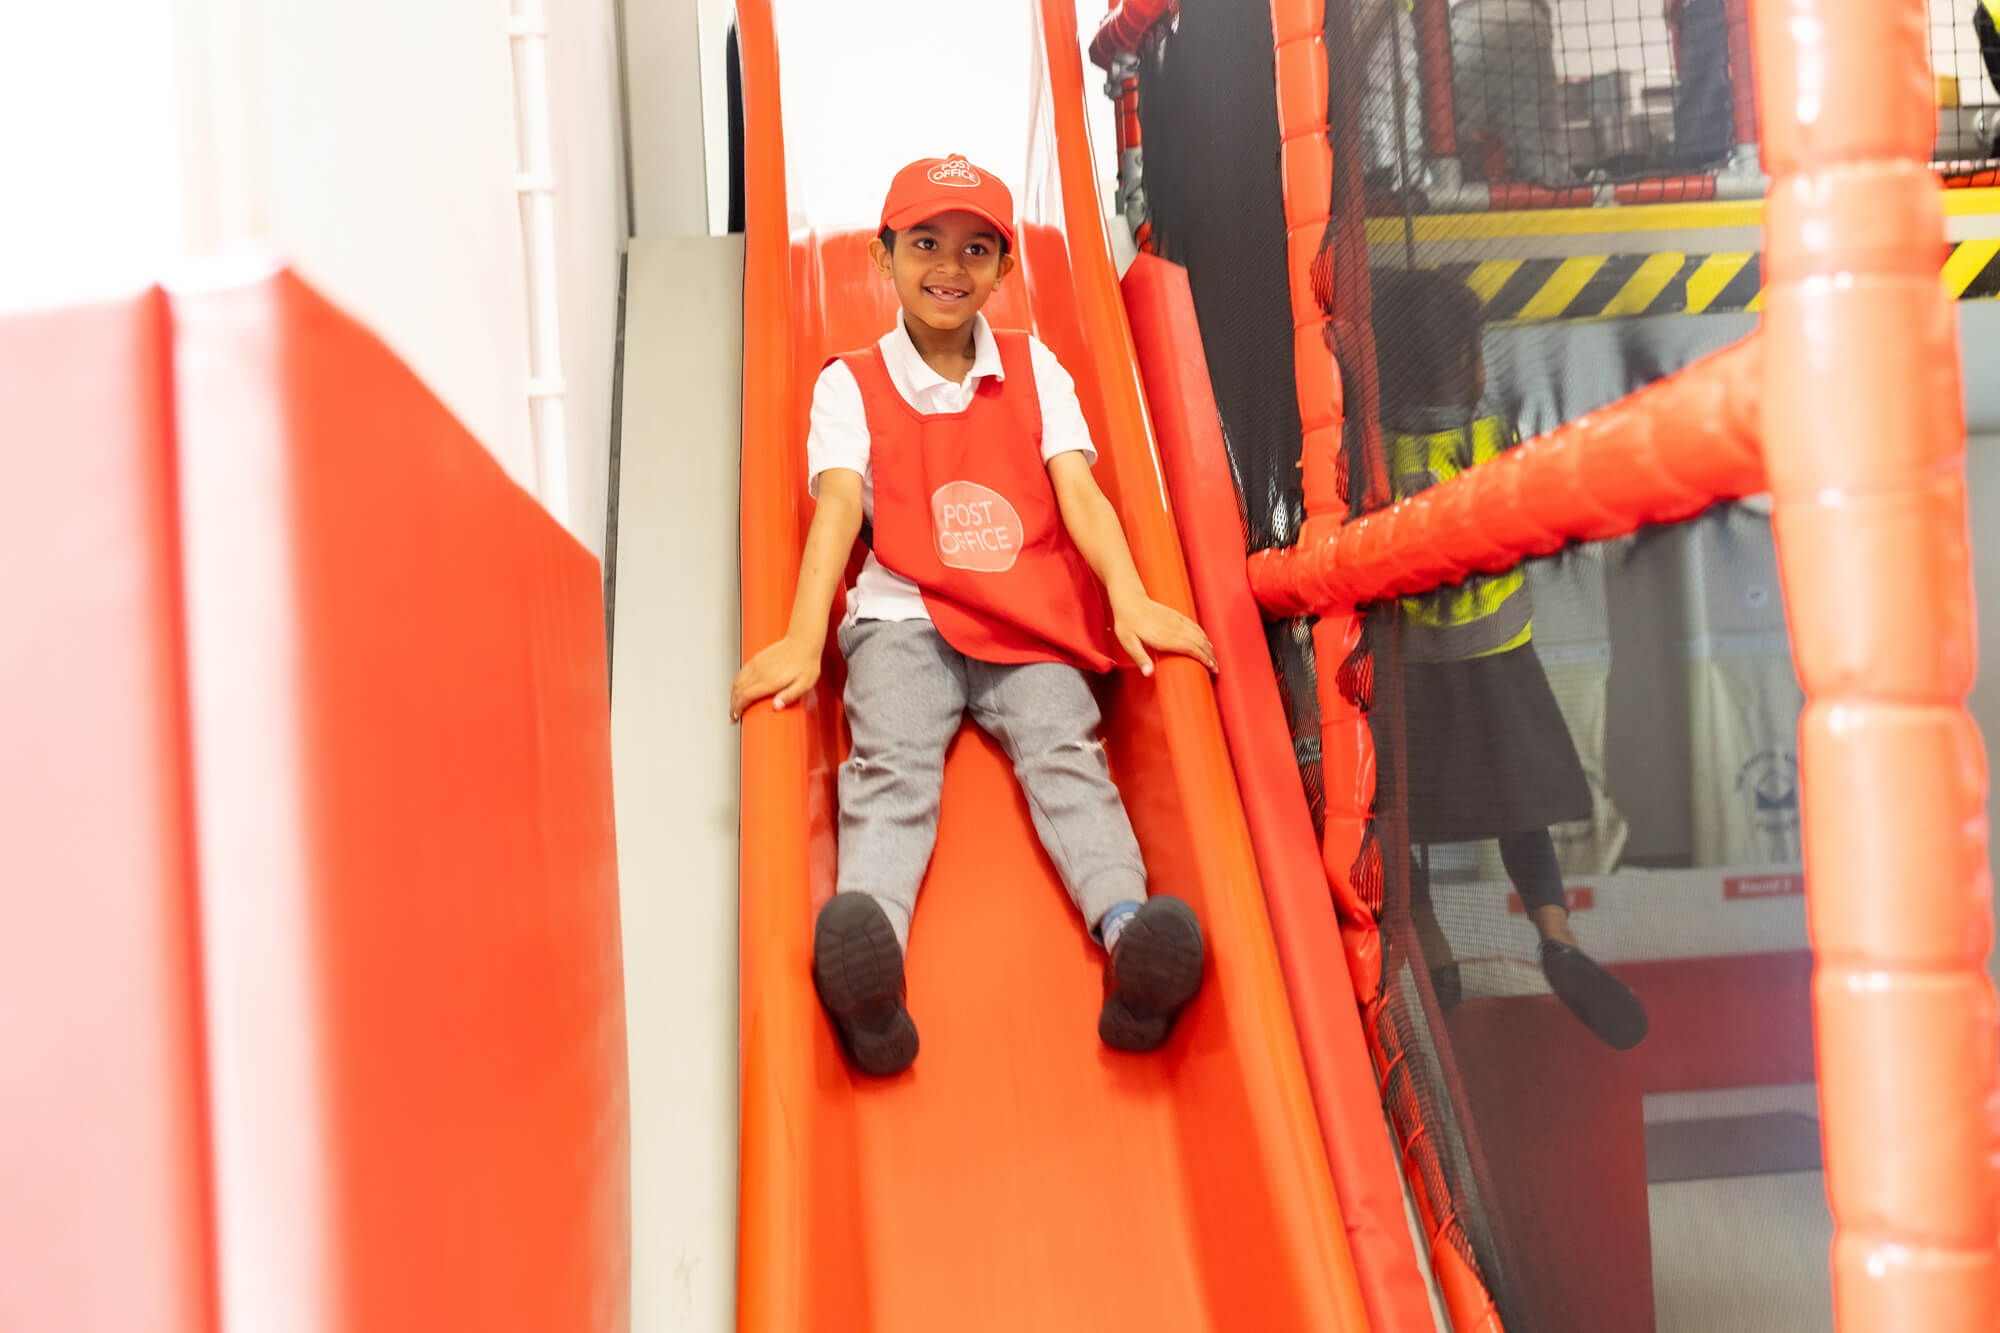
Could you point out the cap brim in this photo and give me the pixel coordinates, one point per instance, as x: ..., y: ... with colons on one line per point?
x: 925, y: 209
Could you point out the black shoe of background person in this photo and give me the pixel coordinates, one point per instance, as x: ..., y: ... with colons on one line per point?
x: 1150, y: 975
x: 1602, y: 1002
x: 858, y: 971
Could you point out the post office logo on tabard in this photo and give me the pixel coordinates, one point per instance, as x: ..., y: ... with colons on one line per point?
x: 954, y: 170
x: 975, y: 527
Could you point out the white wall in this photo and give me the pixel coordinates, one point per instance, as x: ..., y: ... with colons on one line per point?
x: 589, y: 151
x: 665, y: 108
x: 382, y: 150
x: 381, y: 146
x: 676, y: 109
x: 93, y: 182
x: 371, y: 143
x: 715, y: 20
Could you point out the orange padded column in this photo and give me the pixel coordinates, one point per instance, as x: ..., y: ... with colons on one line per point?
x: 1316, y: 262
x: 1865, y: 451
x: 1326, y: 248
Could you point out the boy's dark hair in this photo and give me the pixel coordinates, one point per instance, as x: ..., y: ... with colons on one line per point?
x: 888, y: 238
x: 1427, y: 339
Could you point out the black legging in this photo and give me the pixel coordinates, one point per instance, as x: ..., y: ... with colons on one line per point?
x: 1530, y: 858
x: 1989, y: 42
x: 1532, y: 868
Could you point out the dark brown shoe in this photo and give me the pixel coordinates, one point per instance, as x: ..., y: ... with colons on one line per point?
x: 858, y: 971
x: 1151, y: 974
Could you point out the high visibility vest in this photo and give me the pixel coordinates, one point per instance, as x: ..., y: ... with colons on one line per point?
x: 1487, y: 613
x: 1993, y: 11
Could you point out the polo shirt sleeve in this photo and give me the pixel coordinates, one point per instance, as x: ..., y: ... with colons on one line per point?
x: 838, y: 436
x: 1063, y: 426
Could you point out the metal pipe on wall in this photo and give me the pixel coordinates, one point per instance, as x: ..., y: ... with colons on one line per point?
x: 535, y: 184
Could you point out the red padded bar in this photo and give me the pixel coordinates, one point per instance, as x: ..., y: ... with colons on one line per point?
x: 1662, y: 454
x: 1308, y: 929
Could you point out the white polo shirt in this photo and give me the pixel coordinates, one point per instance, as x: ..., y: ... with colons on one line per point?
x: 839, y: 437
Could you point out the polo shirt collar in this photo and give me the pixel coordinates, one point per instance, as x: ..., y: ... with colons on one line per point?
x: 985, y: 355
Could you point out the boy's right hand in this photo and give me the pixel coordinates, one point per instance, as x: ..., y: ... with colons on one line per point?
x: 787, y: 669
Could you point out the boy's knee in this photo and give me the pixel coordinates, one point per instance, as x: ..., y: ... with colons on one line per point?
x: 1082, y: 753
x: 863, y: 773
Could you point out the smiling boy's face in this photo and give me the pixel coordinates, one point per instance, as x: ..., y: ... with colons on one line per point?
x: 944, y: 268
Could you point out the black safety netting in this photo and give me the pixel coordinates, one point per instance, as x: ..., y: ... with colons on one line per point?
x: 1212, y: 185
x: 1618, y: 1130
x: 1574, y: 94
x: 1598, y: 748
x: 1965, y: 54
x: 1555, y: 95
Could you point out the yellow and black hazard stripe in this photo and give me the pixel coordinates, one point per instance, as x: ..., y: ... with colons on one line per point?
x: 1532, y: 291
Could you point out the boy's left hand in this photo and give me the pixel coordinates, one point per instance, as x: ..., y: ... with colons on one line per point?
x: 1146, y: 623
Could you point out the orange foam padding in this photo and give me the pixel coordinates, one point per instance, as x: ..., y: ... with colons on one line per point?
x: 1865, y: 439
x: 401, y: 761
x: 104, y: 1213
x: 1665, y: 453
x: 1021, y: 1176
x: 1303, y: 913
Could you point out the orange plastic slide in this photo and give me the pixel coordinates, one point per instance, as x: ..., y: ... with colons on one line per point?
x: 1021, y: 1176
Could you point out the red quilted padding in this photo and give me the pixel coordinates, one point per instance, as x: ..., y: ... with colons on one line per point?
x: 320, y: 954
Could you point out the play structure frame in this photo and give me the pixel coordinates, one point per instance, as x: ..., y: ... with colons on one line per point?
x: 1846, y: 406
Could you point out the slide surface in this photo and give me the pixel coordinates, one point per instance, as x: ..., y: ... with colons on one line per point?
x: 1021, y: 1176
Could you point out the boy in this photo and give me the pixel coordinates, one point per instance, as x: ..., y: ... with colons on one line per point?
x: 966, y: 452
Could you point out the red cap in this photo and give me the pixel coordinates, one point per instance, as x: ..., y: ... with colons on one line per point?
x: 934, y: 185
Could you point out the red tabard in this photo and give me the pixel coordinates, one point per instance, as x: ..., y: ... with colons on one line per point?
x: 964, y: 509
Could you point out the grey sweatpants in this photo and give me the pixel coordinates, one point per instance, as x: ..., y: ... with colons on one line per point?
x: 907, y: 692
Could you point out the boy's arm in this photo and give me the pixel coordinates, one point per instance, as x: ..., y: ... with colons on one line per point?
x: 1138, y: 621
x: 790, y: 667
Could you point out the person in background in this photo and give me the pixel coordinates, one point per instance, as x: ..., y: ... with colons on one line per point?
x: 1986, y: 24
x: 1504, y: 91
x: 1705, y: 97
x: 1486, y: 751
